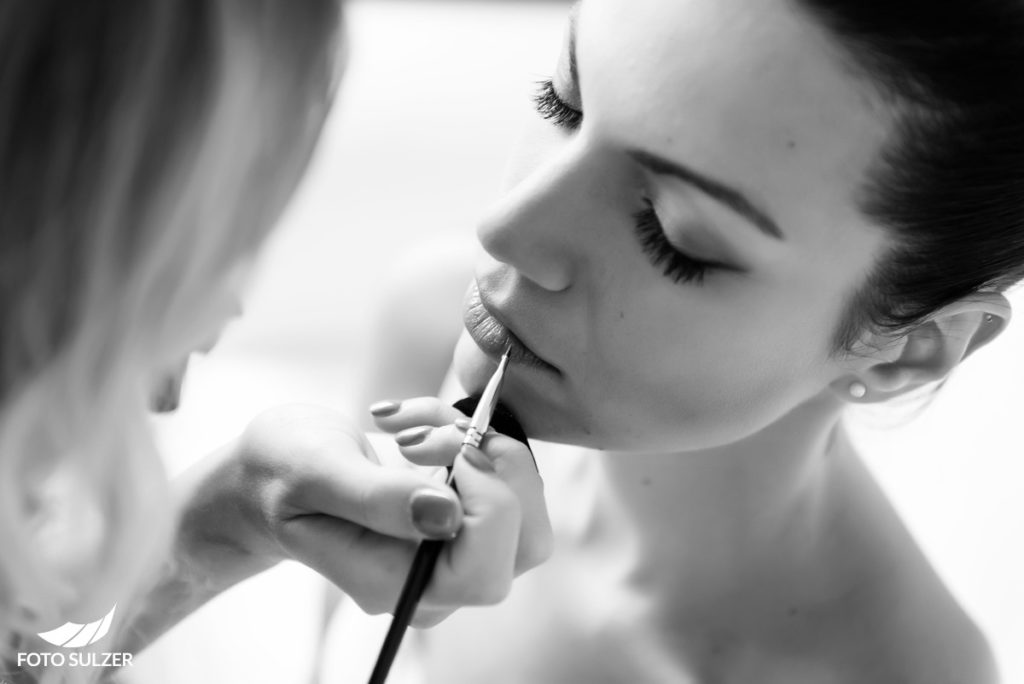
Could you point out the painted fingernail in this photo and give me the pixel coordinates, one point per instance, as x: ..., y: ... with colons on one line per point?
x: 433, y: 514
x: 478, y: 460
x: 462, y: 423
x: 385, y: 408
x: 412, y: 436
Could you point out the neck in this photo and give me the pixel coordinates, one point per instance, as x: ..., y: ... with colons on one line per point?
x: 749, y: 520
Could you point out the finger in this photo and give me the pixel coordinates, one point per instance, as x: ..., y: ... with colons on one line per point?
x: 430, y: 446
x: 396, y: 502
x: 414, y: 413
x: 369, y: 567
x: 478, y: 566
x: 512, y: 462
x: 514, y: 465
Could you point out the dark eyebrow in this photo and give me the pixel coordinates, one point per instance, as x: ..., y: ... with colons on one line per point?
x: 716, y: 190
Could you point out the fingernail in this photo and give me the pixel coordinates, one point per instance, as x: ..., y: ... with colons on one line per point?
x: 385, y: 408
x: 412, y: 436
x: 433, y: 514
x: 478, y: 460
x: 462, y: 423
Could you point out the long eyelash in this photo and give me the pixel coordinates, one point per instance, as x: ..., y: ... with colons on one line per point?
x: 676, y: 265
x: 553, y: 108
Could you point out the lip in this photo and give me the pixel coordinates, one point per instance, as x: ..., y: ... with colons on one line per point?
x: 494, y: 336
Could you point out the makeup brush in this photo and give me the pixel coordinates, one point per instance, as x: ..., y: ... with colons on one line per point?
x: 484, y: 409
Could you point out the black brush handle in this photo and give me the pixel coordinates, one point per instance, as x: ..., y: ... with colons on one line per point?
x: 429, y: 551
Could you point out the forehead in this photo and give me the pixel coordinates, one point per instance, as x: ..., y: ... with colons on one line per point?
x: 752, y: 91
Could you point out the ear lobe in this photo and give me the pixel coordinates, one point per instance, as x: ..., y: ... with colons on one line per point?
x: 934, y: 348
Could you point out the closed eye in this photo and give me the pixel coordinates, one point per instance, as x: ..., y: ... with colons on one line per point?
x: 553, y: 108
x: 675, y: 264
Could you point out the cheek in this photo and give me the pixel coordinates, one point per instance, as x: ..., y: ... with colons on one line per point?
x: 695, y: 380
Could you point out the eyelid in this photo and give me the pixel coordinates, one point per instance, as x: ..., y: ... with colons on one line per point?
x: 572, y: 98
x: 674, y: 264
x: 571, y: 93
x: 698, y: 255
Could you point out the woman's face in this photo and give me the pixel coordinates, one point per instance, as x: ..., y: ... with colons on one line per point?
x: 677, y: 263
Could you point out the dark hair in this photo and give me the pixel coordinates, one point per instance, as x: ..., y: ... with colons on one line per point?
x: 949, y: 185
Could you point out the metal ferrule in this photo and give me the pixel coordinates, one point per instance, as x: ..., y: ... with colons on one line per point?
x: 473, y: 438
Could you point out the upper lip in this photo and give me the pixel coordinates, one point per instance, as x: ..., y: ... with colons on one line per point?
x: 503, y: 319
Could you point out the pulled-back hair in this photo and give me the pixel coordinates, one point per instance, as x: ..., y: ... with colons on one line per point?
x: 146, y: 148
x: 948, y: 186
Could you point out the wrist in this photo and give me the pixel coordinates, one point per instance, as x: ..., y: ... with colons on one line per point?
x: 220, y: 540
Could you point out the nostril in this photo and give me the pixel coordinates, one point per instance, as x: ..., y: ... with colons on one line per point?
x: 552, y: 278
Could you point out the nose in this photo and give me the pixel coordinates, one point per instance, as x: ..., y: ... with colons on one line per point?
x: 531, y: 228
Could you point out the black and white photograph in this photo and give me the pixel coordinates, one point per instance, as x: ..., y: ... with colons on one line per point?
x: 511, y: 342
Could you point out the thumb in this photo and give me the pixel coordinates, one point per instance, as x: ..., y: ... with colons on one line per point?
x: 395, y: 502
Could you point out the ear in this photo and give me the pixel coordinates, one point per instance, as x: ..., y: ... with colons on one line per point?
x: 930, y: 351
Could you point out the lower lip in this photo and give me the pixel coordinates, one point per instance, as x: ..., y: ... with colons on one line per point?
x: 493, y: 337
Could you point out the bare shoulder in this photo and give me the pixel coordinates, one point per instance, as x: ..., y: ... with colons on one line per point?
x: 897, y: 620
x: 897, y: 624
x: 915, y: 632
x: 952, y: 650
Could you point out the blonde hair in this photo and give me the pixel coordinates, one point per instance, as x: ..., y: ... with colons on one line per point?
x: 146, y: 148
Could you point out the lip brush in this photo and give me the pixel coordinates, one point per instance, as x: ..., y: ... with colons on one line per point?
x: 429, y: 551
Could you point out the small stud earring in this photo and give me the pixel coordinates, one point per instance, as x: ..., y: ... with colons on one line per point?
x: 989, y: 318
x: 858, y: 390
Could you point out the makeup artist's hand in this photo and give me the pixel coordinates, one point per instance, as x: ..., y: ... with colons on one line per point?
x: 303, y: 483
x: 505, y: 528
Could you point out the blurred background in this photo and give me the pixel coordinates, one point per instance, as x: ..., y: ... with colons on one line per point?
x: 412, y: 155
